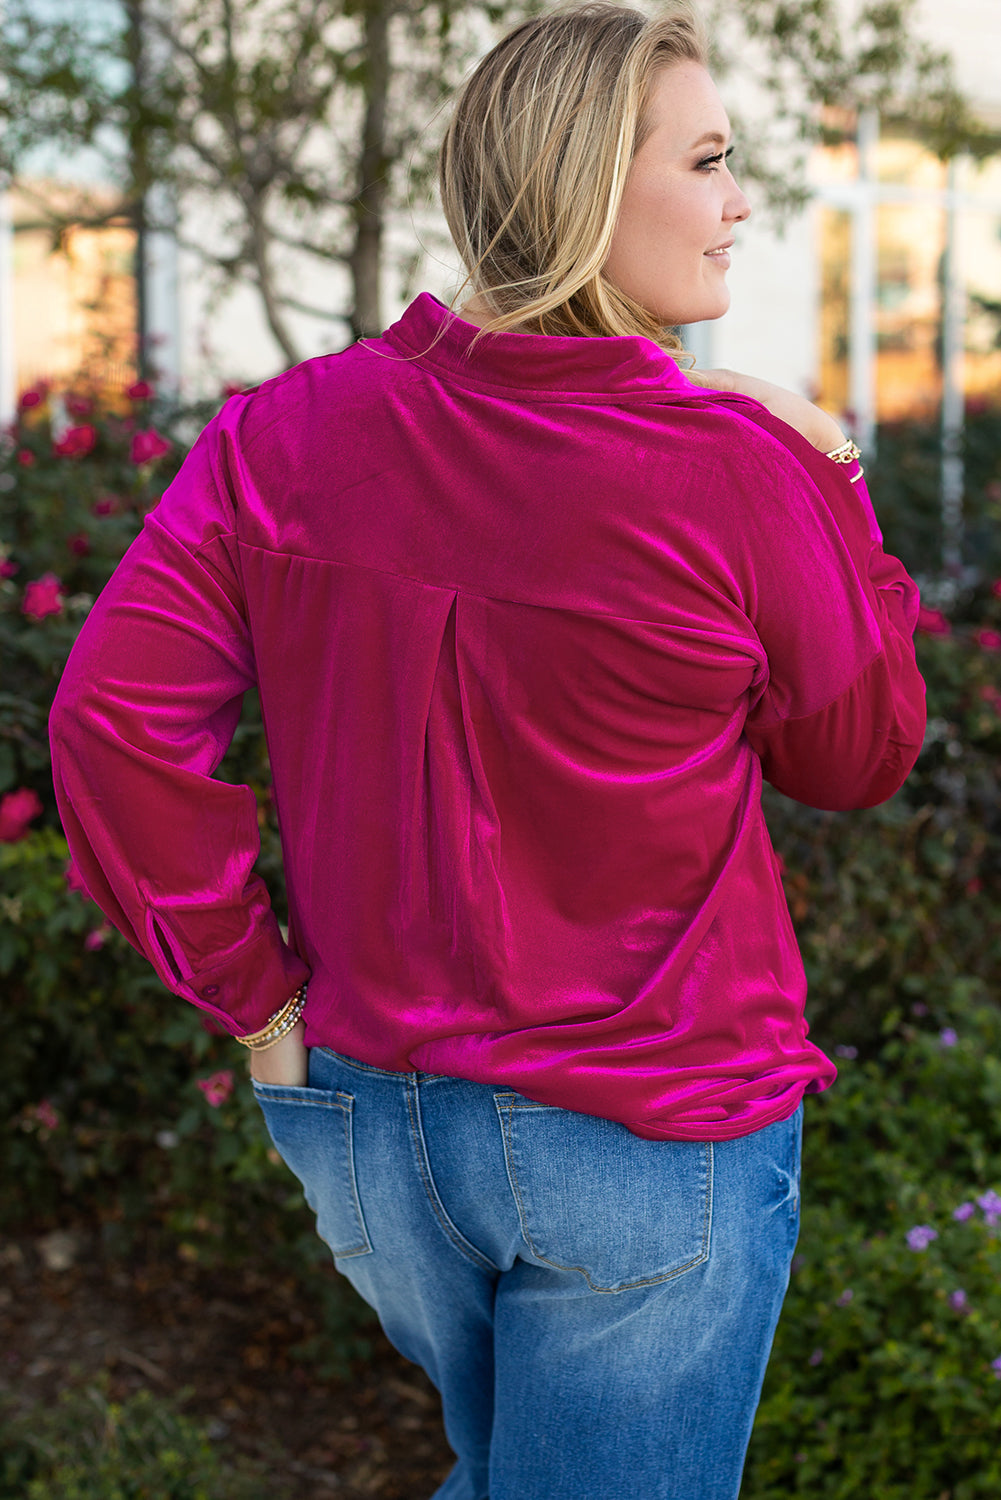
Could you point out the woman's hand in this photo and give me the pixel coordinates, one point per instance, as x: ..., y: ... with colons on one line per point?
x: 286, y: 1063
x: 818, y: 427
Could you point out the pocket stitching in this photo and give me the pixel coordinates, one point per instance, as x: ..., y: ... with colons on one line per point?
x: 325, y: 1099
x: 346, y: 1105
x: 506, y: 1111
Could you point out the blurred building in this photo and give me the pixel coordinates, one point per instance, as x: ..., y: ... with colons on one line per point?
x: 882, y: 299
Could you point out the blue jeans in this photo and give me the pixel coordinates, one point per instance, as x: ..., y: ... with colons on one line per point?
x: 595, y: 1309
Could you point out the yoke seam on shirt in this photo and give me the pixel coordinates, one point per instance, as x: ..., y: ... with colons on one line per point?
x: 458, y: 588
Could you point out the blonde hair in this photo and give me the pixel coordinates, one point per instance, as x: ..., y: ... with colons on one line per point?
x: 534, y: 163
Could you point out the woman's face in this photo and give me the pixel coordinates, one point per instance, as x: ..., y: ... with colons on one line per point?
x: 675, y: 226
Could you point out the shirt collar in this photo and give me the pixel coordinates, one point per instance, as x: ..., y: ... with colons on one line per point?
x: 532, y: 364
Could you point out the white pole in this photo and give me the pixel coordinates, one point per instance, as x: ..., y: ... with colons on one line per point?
x: 864, y: 279
x: 162, y: 332
x: 953, y: 320
x: 8, y: 371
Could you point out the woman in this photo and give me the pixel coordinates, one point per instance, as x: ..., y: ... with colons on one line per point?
x: 530, y: 613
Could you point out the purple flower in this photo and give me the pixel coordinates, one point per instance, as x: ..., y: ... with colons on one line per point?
x: 991, y: 1204
x: 845, y: 1298
x: 818, y: 1354
x: 963, y: 1212
x: 947, y: 1037
x: 921, y: 1236
x: 843, y: 1051
x: 996, y: 1367
x: 958, y: 1300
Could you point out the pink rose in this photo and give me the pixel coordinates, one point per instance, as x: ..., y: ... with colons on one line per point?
x: 987, y: 640
x: 17, y: 809
x: 996, y: 588
x: 76, y: 441
x: 79, y: 544
x: 933, y: 622
x: 46, y: 1115
x: 25, y: 458
x: 141, y: 390
x: 106, y: 506
x: 96, y: 939
x: 79, y: 406
x: 148, y: 445
x: 43, y: 596
x: 74, y: 880
x: 217, y: 1087
x: 31, y: 398
x: 8, y: 568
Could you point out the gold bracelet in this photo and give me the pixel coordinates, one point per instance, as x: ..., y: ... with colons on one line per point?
x: 280, y: 1024
x: 848, y: 453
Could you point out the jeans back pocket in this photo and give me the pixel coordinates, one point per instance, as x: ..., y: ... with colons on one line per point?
x: 312, y: 1132
x: 594, y: 1198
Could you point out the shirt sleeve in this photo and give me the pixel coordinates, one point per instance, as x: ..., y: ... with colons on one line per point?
x: 143, y: 715
x: 840, y: 720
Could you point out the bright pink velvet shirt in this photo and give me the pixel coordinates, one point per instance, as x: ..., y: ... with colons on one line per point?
x: 528, y: 620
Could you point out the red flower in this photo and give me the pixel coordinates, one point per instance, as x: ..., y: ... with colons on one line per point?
x: 31, y: 398
x: 232, y: 389
x: 933, y: 622
x: 148, y: 445
x: 97, y: 938
x: 17, y: 809
x: 140, y: 391
x: 43, y: 596
x: 8, y: 568
x: 987, y: 640
x: 46, y: 1115
x: 79, y: 406
x: 217, y: 1087
x: 996, y: 588
x: 76, y: 441
x: 25, y: 458
x: 74, y: 880
x: 106, y: 506
x: 79, y: 544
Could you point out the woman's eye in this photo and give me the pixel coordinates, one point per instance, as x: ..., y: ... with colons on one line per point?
x: 711, y: 163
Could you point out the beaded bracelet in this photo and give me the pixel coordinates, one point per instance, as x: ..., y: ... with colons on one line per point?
x: 848, y: 453
x: 280, y: 1024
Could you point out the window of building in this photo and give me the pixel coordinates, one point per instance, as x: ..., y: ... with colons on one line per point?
x: 910, y: 257
x: 74, y: 305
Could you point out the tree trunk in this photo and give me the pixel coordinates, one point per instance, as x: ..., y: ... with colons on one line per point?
x: 369, y: 206
x: 139, y: 171
x: 260, y: 260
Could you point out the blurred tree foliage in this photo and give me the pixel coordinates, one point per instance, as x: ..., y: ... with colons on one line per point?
x: 275, y: 137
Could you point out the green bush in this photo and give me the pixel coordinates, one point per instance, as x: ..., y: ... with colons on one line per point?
x: 906, y: 479
x: 89, y: 1447
x: 123, y: 1106
x: 885, y: 1378
x: 119, y: 1102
